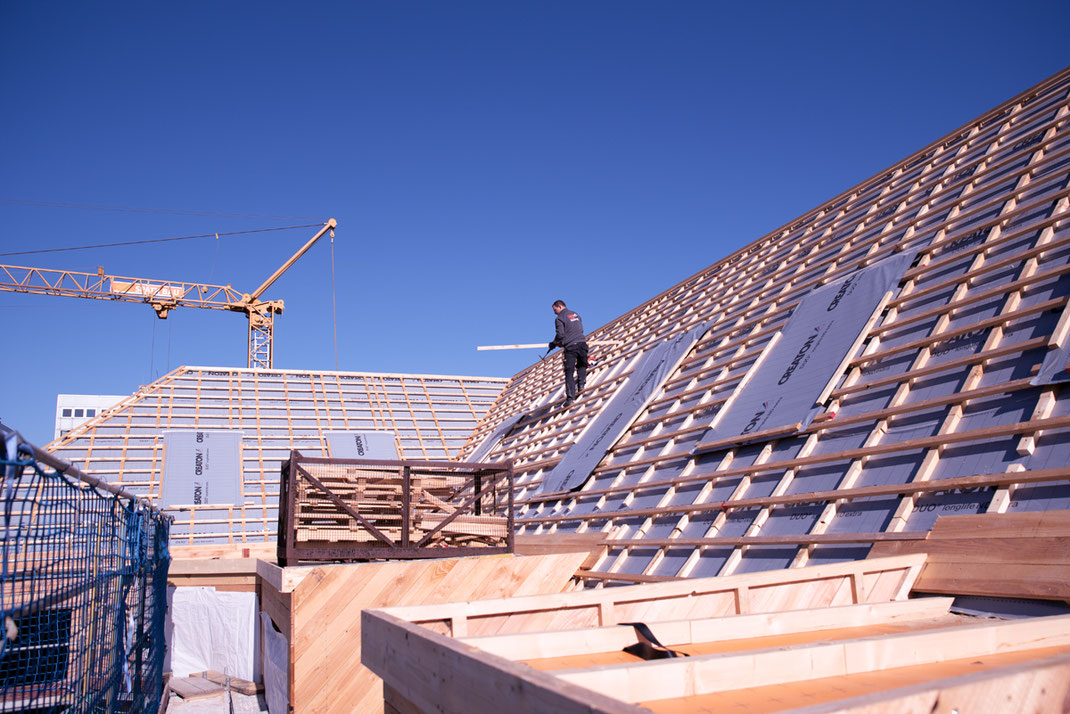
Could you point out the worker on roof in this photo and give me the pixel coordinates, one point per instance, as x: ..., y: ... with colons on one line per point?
x: 568, y: 334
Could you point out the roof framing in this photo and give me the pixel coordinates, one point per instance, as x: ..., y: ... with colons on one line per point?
x: 934, y: 414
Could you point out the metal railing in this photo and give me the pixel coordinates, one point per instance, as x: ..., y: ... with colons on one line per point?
x: 349, y: 509
x: 83, y: 589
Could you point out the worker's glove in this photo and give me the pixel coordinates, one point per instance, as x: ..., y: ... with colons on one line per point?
x: 551, y: 345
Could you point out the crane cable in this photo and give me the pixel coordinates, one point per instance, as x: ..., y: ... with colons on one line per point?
x: 334, y: 306
x: 160, y: 240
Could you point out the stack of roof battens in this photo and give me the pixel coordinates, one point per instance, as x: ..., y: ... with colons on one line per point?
x: 950, y: 360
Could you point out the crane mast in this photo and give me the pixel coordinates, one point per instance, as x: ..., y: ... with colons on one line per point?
x: 165, y: 295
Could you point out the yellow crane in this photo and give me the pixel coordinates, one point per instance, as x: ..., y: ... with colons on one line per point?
x: 165, y: 295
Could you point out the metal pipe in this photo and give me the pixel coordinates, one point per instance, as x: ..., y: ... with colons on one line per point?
x: 73, y: 471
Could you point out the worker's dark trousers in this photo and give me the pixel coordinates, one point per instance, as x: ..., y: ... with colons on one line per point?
x: 575, y: 362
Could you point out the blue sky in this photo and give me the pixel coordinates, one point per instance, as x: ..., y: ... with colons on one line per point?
x: 482, y: 159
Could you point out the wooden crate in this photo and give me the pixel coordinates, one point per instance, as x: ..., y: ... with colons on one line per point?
x: 349, y: 509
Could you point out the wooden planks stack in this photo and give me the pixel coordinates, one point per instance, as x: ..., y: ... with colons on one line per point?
x: 1023, y: 555
x: 380, y: 499
x: 352, y: 509
x: 318, y: 610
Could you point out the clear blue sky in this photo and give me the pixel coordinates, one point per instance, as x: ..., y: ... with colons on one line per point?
x: 482, y: 159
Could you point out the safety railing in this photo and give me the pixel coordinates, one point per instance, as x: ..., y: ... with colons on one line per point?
x: 83, y: 589
x: 348, y: 509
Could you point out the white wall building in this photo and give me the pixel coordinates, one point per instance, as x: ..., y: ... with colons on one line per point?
x: 76, y: 409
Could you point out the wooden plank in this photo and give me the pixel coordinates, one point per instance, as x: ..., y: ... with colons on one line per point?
x: 192, y: 688
x: 394, y: 703
x: 241, y: 686
x: 521, y: 646
x: 540, y: 345
x: 213, y: 566
x: 1046, y: 582
x: 524, y: 544
x: 283, y: 579
x: 221, y: 583
x: 1034, y: 686
x: 995, y: 551
x: 1030, y: 523
x: 256, y: 551
x: 277, y: 606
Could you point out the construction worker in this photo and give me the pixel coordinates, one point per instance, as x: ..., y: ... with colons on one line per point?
x: 568, y: 334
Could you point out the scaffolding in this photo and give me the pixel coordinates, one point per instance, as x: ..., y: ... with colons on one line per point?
x: 83, y: 589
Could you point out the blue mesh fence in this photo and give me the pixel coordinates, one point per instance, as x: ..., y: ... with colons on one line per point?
x: 83, y: 589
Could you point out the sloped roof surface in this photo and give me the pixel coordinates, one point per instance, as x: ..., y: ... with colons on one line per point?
x: 934, y: 413
x: 275, y: 411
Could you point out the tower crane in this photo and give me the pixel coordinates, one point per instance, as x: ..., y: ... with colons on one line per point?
x: 165, y: 295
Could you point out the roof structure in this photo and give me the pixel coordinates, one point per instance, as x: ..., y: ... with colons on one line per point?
x: 833, y: 638
x: 268, y: 413
x: 771, y: 435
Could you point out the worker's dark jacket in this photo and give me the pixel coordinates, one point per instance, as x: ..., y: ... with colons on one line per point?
x: 568, y: 328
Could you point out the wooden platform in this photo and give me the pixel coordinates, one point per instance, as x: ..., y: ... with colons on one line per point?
x: 318, y: 610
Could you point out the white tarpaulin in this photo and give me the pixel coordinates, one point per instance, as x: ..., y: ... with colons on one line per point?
x: 206, y: 629
x: 201, y: 467
x: 380, y: 445
x: 822, y: 333
x: 649, y: 373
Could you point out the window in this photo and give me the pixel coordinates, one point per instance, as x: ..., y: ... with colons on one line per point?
x: 78, y: 412
x: 90, y: 412
x: 66, y: 412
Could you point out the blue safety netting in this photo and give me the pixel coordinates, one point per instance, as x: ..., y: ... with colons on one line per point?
x: 83, y: 589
